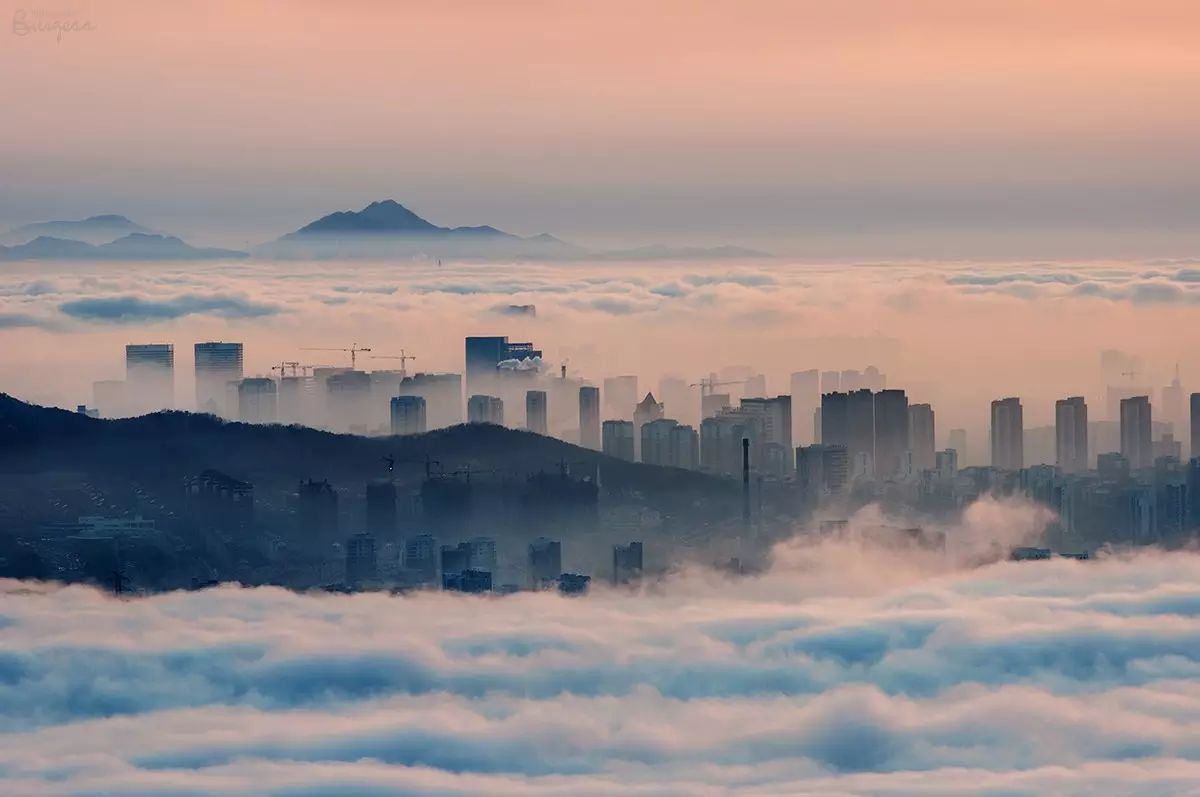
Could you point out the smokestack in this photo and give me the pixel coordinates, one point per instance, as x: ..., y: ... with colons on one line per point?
x: 746, y: 480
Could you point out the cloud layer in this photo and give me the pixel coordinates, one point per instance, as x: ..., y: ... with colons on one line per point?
x: 844, y: 670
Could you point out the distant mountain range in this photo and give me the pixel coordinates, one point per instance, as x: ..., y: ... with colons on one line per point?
x: 382, y: 230
x: 135, y: 246
x: 92, y: 230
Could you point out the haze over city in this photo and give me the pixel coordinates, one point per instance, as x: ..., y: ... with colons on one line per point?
x: 554, y: 398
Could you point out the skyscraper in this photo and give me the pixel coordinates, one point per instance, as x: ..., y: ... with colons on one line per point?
x: 649, y: 409
x: 620, y: 396
x: 860, y: 424
x: 485, y: 409
x: 777, y: 418
x: 679, y: 402
x: 381, y: 509
x: 806, y: 397
x: 361, y: 564
x: 956, y: 440
x: 217, y: 365
x: 484, y: 353
x: 1136, y: 441
x: 545, y: 562
x: 443, y: 397
x: 835, y: 422
x: 149, y: 376
x: 921, y: 437
x: 618, y: 440
x: 257, y: 400
x: 1008, y: 434
x: 685, y: 448
x: 409, y: 415
x: 627, y: 563
x: 589, y: 417
x: 1195, y: 428
x: 1172, y: 405
x: 656, y: 441
x: 535, y: 412
x: 891, y: 434
x: 1071, y: 434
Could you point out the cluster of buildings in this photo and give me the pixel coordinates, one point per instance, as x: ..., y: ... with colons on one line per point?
x: 1126, y: 473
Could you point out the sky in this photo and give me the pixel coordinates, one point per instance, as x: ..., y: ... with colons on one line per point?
x: 845, y: 669
x: 931, y: 129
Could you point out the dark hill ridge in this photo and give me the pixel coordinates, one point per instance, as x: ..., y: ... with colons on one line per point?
x: 135, y: 246
x: 93, y: 230
x: 169, y: 445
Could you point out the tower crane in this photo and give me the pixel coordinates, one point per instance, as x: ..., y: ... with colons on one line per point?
x: 354, y: 350
x: 403, y: 357
x: 707, y: 384
x: 288, y: 365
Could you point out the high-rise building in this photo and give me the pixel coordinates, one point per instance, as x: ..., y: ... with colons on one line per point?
x: 294, y: 399
x: 443, y: 397
x: 648, y: 409
x: 545, y: 562
x: 381, y: 509
x: 589, y: 417
x: 872, y: 379
x: 822, y: 471
x: 656, y: 441
x: 409, y: 415
x: 721, y: 441
x: 806, y: 398
x: 946, y: 464
x: 149, y: 376
x: 712, y: 404
x: 852, y: 381
x: 891, y: 434
x: 485, y: 409
x: 860, y: 422
x: 218, y: 365
x: 1008, y: 434
x: 420, y: 558
x: 618, y: 440
x: 755, y: 386
x: 1194, y: 428
x: 1071, y: 434
x: 957, y: 441
x: 348, y: 401
x: 922, y: 437
x: 535, y: 411
x: 361, y: 564
x: 257, y: 400
x: 685, y: 448
x: 1172, y: 405
x: 777, y: 418
x: 679, y: 402
x: 627, y: 563
x: 481, y: 554
x: 835, y: 420
x: 317, y: 511
x: 484, y: 354
x: 620, y: 396
x: 831, y: 382
x: 1136, y: 441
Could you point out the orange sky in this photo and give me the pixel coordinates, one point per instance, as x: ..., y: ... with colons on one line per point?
x: 933, y: 125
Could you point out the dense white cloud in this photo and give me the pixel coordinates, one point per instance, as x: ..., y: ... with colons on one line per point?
x: 845, y: 669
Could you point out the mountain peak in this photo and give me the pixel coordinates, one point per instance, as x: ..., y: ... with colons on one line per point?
x: 385, y: 216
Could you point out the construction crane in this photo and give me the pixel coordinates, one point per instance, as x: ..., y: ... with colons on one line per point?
x: 354, y: 350
x: 706, y: 385
x: 403, y: 357
x: 294, y: 367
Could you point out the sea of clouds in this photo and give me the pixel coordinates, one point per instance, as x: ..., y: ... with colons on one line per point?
x: 846, y: 669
